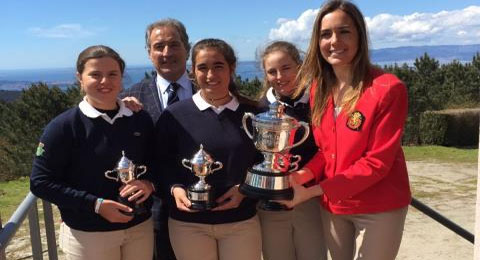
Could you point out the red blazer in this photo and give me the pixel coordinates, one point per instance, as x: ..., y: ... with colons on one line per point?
x: 360, y: 163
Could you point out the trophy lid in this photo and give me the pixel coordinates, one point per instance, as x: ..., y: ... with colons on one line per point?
x: 124, y: 162
x: 201, y: 157
x: 275, y: 116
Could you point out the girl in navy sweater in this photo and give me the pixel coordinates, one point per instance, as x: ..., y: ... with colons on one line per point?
x: 212, y: 117
x: 78, y: 147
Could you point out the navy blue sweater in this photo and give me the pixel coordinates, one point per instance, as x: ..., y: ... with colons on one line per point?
x: 181, y: 129
x: 76, y: 151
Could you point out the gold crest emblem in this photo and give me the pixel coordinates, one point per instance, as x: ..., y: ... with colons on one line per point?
x: 355, y: 120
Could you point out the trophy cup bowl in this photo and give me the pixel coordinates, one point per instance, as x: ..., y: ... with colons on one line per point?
x: 126, y: 172
x: 273, y: 134
x: 201, y: 194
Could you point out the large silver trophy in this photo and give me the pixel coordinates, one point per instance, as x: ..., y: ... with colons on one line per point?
x: 126, y: 172
x: 201, y: 193
x: 273, y: 135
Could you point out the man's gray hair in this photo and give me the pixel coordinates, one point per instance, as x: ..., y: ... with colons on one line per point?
x: 170, y: 22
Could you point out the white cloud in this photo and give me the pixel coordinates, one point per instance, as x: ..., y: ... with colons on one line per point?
x: 389, y: 30
x: 298, y: 30
x: 62, y: 31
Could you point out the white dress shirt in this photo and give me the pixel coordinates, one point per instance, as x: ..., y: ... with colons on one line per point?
x: 184, y: 92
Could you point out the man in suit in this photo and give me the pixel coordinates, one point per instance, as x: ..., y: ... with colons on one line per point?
x: 168, y: 49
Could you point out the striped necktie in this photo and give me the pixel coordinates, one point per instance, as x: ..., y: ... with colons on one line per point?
x: 172, y: 93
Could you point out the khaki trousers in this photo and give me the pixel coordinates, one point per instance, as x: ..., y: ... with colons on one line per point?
x: 231, y: 241
x: 135, y: 243
x: 293, y: 235
x: 364, y: 236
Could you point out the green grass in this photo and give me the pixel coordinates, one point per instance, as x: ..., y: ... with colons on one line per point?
x: 441, y: 154
x: 11, y: 195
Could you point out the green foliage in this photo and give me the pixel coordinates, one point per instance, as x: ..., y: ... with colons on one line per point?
x: 432, y: 86
x: 249, y: 88
x: 433, y: 127
x: 22, y: 122
x: 410, y: 133
x: 462, y: 127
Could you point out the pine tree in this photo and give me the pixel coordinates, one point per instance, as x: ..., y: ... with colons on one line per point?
x: 22, y: 123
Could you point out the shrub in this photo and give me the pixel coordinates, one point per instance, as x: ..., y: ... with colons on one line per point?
x: 463, y: 127
x: 410, y: 133
x: 433, y: 128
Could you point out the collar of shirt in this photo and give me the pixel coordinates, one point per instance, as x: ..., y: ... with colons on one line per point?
x: 271, y: 97
x: 183, y: 92
x: 203, y: 105
x: 89, y: 111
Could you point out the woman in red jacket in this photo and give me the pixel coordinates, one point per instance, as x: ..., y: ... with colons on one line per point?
x: 358, y: 114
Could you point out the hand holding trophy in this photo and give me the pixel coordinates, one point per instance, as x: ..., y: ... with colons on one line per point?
x: 126, y: 172
x: 273, y: 135
x: 201, y: 193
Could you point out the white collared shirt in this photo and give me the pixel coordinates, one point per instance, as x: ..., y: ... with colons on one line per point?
x: 271, y: 97
x: 202, y: 104
x: 90, y: 111
x: 184, y: 92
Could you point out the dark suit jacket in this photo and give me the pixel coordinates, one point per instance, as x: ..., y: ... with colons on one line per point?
x: 147, y: 93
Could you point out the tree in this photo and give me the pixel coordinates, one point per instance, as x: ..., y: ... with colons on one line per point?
x: 23, y: 120
x: 249, y: 88
x: 460, y: 89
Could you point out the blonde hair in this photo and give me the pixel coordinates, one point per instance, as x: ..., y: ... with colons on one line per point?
x: 286, y: 47
x: 316, y: 69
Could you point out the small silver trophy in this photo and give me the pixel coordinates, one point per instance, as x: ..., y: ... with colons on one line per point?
x: 126, y: 172
x: 273, y: 135
x: 201, y: 193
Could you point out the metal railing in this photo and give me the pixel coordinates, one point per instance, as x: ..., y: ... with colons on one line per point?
x: 29, y: 207
x: 443, y: 220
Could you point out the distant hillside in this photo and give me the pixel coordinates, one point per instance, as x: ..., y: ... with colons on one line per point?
x: 63, y: 77
x: 9, y: 95
x: 443, y: 53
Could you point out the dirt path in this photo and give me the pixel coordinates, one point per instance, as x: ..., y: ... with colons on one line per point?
x: 450, y: 189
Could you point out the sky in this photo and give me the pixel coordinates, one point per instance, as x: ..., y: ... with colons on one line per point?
x: 51, y: 33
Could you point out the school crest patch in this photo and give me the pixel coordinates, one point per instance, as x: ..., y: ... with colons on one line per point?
x: 355, y: 120
x: 40, y: 149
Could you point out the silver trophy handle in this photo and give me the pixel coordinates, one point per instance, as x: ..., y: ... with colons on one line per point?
x: 220, y: 166
x: 295, y: 163
x: 184, y: 163
x: 107, y: 175
x: 305, y: 135
x: 143, y: 168
x: 244, y: 123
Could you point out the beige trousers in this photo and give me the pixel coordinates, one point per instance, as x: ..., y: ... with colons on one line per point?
x: 231, y: 241
x: 293, y: 235
x: 364, y: 236
x: 135, y: 243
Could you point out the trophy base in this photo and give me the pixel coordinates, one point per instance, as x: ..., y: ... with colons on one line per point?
x: 263, y: 194
x: 202, y: 205
x: 201, y: 200
x: 270, y: 205
x: 138, y: 209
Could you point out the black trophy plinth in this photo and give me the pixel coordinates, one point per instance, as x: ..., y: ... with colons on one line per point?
x: 201, y: 200
x: 264, y: 186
